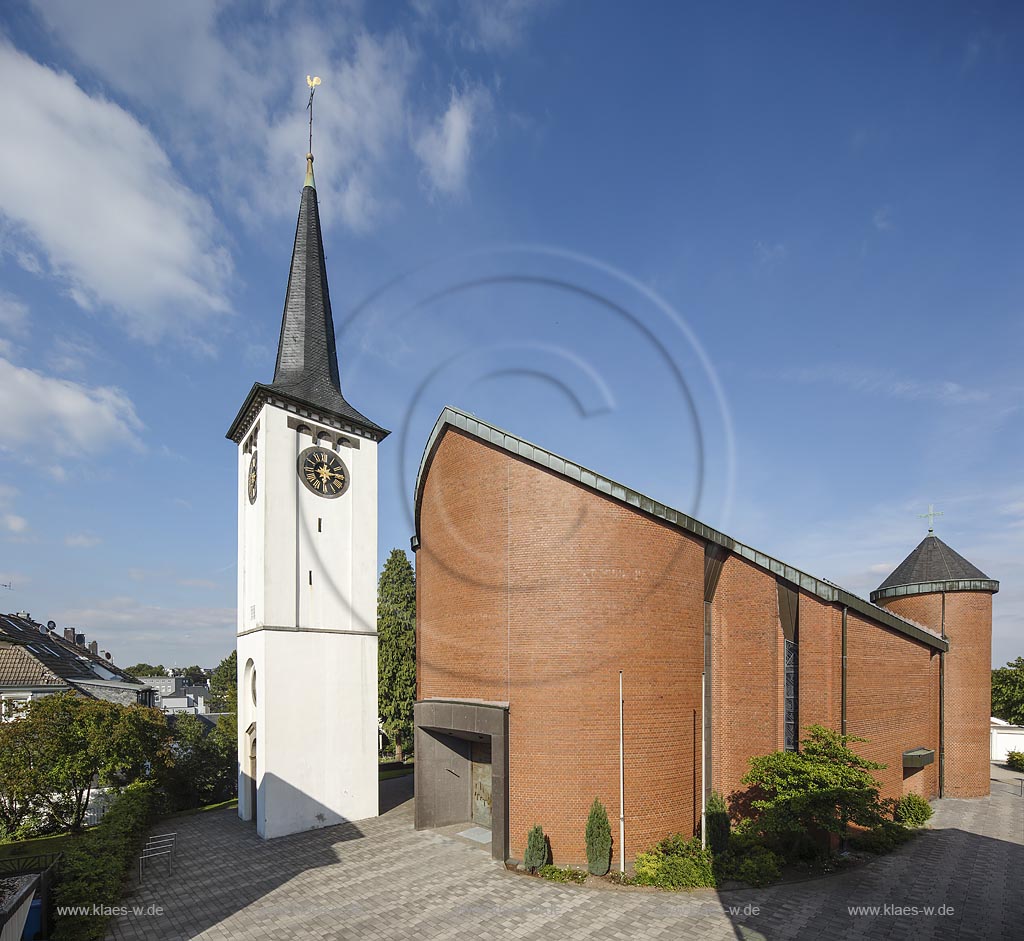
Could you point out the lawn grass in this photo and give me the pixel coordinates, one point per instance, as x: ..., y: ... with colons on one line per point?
x: 393, y: 773
x: 202, y: 810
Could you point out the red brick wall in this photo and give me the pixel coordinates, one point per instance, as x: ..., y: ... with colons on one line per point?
x: 821, y: 663
x: 746, y: 671
x: 583, y: 587
x: 892, y: 700
x: 968, y: 682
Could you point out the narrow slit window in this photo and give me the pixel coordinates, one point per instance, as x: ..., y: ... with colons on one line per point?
x: 310, y: 576
x: 319, y: 524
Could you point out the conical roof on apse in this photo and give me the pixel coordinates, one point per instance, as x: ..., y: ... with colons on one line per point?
x: 931, y: 567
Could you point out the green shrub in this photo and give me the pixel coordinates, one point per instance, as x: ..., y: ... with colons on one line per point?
x: 882, y: 839
x: 716, y: 819
x: 566, y: 874
x: 675, y: 863
x: 599, y: 839
x: 536, y: 849
x: 912, y: 811
x: 1015, y: 760
x: 748, y: 859
x: 95, y: 865
x: 798, y: 798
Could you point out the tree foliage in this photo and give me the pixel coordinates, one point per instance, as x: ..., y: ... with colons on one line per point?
x: 204, y: 768
x: 1008, y: 692
x: 146, y: 669
x: 54, y: 753
x: 396, y: 658
x: 193, y: 675
x: 821, y: 788
x: 224, y: 685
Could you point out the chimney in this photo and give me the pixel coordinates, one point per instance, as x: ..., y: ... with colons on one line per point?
x: 69, y: 634
x: 94, y: 648
x: 80, y: 639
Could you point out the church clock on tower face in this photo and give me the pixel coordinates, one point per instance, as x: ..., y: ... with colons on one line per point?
x: 322, y: 471
x: 251, y: 481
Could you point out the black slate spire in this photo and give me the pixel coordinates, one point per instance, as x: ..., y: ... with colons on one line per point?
x: 307, y: 357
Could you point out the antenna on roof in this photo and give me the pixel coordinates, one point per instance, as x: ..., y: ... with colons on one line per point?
x: 930, y: 516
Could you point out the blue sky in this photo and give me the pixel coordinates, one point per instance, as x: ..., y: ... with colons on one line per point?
x: 773, y: 248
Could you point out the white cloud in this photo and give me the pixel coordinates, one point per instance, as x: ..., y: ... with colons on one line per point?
x: 93, y: 191
x: 175, y: 61
x: 483, y: 25
x: 875, y: 382
x: 770, y: 255
x: 71, y: 354
x: 882, y: 219
x: 15, y: 524
x: 444, y: 148
x: 197, y: 583
x: 13, y: 314
x: 86, y: 418
x: 82, y: 541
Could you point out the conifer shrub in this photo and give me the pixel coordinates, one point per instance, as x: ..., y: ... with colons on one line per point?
x: 536, y: 854
x: 599, y: 840
x: 912, y: 811
x: 716, y: 819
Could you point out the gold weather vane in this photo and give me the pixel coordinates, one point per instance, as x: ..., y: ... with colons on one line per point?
x: 312, y: 81
x: 930, y: 516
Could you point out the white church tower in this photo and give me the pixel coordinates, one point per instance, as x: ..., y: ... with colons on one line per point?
x: 307, y: 564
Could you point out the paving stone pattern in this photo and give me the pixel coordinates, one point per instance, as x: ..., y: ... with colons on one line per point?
x: 380, y: 879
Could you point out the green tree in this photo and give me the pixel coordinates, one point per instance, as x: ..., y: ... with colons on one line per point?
x: 821, y: 788
x: 146, y: 669
x: 396, y: 659
x: 193, y: 676
x: 61, y: 745
x: 224, y: 685
x: 203, y: 771
x: 1008, y: 692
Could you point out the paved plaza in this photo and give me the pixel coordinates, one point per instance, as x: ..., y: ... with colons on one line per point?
x: 380, y: 879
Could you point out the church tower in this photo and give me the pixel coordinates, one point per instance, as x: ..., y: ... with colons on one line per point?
x: 939, y: 588
x: 307, y: 564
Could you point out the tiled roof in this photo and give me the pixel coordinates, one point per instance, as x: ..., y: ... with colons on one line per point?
x: 54, y: 656
x: 19, y: 667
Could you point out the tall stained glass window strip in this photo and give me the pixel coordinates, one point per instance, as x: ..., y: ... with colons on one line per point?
x: 790, y: 702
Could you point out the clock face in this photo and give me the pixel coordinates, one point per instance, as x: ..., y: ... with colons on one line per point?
x: 252, y: 479
x: 322, y: 471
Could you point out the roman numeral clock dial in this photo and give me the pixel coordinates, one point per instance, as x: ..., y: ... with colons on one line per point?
x: 323, y: 472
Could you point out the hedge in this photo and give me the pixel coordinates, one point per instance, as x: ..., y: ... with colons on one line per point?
x: 95, y: 865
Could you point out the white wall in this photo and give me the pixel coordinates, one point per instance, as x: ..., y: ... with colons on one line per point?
x: 1006, y: 738
x: 307, y: 600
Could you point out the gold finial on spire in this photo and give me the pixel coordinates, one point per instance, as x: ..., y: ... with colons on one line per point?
x: 312, y: 81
